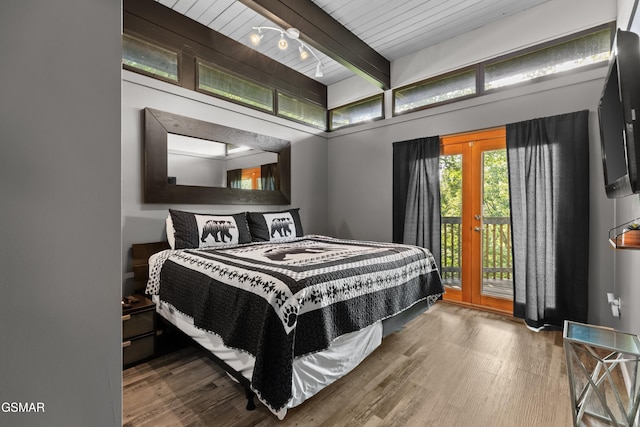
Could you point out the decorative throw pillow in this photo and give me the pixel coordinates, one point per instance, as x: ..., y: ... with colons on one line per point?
x: 171, y: 238
x: 196, y: 230
x: 275, y: 226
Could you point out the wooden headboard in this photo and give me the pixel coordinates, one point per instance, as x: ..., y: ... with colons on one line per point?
x: 141, y: 253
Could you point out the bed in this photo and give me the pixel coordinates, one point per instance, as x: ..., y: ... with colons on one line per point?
x: 286, y: 314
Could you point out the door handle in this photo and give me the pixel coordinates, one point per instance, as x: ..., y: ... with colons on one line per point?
x: 478, y: 217
x: 476, y: 229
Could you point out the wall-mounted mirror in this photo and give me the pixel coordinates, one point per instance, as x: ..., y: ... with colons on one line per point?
x: 193, y: 161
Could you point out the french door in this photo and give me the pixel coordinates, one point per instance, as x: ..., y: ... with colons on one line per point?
x: 476, y: 236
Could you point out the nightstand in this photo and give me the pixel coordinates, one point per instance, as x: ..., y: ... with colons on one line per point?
x: 138, y: 331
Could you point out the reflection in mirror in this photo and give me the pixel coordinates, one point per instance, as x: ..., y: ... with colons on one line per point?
x: 200, y: 162
x: 192, y: 161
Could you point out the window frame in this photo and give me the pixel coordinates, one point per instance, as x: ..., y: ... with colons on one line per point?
x: 216, y: 67
x: 174, y: 37
x: 155, y: 43
x: 551, y: 43
x: 434, y: 79
x: 285, y: 93
x: 480, y: 69
x: 330, y: 112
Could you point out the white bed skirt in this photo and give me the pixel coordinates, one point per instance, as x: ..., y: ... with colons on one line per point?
x: 311, y: 373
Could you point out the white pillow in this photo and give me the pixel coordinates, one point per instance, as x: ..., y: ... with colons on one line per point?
x: 171, y: 238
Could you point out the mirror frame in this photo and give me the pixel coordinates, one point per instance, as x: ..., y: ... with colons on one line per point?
x: 156, y: 188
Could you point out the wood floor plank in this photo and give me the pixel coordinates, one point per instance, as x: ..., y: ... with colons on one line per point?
x: 451, y: 366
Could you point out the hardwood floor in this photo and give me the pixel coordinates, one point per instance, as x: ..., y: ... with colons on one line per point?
x: 451, y: 366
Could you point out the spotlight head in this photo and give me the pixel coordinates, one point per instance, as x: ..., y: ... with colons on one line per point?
x: 282, y: 44
x: 303, y: 53
x: 255, y: 38
x: 318, y: 71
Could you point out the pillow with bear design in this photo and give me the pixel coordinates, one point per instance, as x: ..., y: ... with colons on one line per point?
x: 202, y: 230
x: 275, y: 226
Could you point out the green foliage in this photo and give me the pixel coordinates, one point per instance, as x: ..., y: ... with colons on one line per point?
x: 496, y: 184
x: 495, y: 208
x: 451, y: 185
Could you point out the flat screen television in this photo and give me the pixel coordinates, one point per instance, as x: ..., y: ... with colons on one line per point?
x: 618, y: 114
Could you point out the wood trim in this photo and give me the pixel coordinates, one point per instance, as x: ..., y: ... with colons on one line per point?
x: 156, y: 22
x: 471, y: 145
x: 478, y: 135
x: 508, y: 314
x: 321, y: 31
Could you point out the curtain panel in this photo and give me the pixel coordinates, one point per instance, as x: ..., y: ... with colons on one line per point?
x: 234, y: 178
x: 548, y: 161
x: 416, y: 193
x: 269, y: 176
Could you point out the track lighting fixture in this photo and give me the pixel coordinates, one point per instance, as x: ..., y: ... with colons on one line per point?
x: 292, y: 34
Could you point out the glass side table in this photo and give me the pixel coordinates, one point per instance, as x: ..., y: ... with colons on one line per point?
x: 602, y: 366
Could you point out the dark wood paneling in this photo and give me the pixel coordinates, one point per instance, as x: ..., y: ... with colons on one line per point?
x: 140, y: 252
x: 156, y: 22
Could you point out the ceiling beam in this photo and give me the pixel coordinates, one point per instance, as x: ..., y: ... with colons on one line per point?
x: 320, y: 30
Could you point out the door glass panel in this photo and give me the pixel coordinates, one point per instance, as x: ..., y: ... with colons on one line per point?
x: 497, y: 265
x: 451, y: 219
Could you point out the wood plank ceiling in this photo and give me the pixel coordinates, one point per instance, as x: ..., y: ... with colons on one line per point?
x: 384, y: 30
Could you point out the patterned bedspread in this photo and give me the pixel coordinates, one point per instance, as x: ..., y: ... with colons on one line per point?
x: 279, y: 301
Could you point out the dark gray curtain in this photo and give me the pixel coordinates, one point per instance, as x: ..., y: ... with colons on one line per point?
x: 269, y: 176
x: 416, y: 193
x: 234, y: 178
x: 549, y: 189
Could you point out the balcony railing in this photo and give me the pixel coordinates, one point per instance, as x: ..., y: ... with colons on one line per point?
x: 497, y: 262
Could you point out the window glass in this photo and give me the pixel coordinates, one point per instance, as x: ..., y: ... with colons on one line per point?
x: 302, y: 111
x: 435, y: 91
x: 358, y: 112
x: 582, y: 51
x: 234, y: 88
x: 149, y: 58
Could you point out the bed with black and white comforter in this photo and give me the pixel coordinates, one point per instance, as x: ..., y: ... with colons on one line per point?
x: 282, y: 301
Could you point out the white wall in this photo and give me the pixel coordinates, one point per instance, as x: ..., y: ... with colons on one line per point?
x: 252, y: 160
x: 145, y: 222
x: 60, y: 218
x: 195, y: 170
